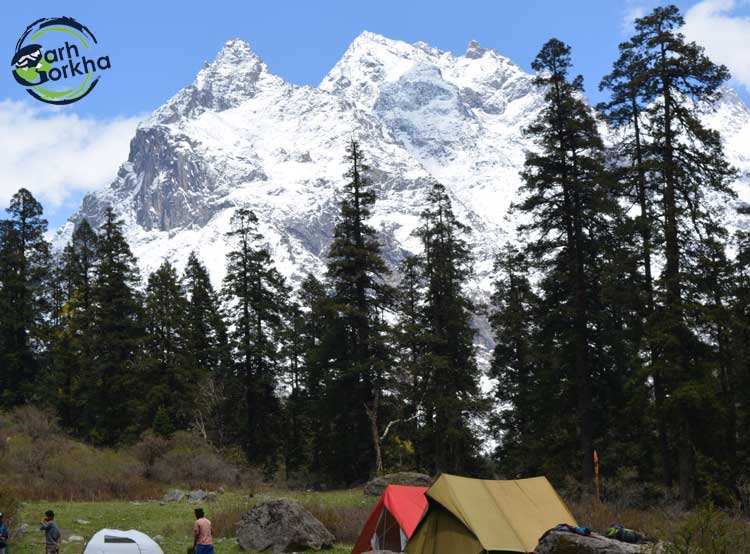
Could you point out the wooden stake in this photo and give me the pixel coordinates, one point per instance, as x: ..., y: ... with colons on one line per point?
x: 596, y: 477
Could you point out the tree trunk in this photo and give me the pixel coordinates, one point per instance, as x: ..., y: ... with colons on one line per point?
x: 674, y: 357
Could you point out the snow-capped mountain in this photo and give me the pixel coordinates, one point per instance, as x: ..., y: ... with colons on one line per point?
x: 239, y: 136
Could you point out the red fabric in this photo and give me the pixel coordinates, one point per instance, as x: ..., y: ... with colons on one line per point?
x: 406, y: 505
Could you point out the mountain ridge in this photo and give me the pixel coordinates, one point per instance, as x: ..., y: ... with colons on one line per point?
x: 238, y: 135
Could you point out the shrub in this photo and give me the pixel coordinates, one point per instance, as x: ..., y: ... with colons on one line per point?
x: 345, y: 522
x: 9, y: 506
x: 710, y: 531
x: 32, y: 422
x: 224, y: 522
x: 189, y: 460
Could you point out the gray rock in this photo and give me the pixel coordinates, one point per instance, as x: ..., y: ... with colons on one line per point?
x: 75, y: 538
x: 158, y: 538
x: 210, y: 497
x: 408, y: 478
x: 220, y: 490
x: 282, y: 526
x: 82, y: 522
x: 196, y: 496
x: 19, y: 531
x: 174, y: 495
x: 558, y: 542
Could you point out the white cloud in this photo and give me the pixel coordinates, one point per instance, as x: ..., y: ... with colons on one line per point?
x: 634, y: 9
x: 725, y: 34
x: 58, y: 155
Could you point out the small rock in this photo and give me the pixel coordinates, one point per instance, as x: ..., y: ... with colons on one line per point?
x: 82, y: 522
x: 196, y: 496
x: 220, y: 490
x: 75, y: 538
x: 174, y: 495
x: 158, y: 538
x: 210, y: 497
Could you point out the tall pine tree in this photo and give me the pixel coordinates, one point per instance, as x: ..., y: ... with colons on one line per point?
x: 356, y: 275
x: 565, y: 191
x: 72, y: 347
x: 167, y: 368
x: 256, y: 298
x: 666, y: 78
x: 451, y: 401
x: 24, y: 298
x: 208, y: 349
x: 111, y: 409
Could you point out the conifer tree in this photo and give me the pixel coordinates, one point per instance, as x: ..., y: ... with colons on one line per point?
x: 72, y: 347
x: 24, y: 298
x: 168, y: 369
x: 319, y: 328
x: 207, y: 347
x: 519, y: 422
x: 566, y: 191
x: 356, y: 275
x: 739, y: 322
x: 410, y: 335
x: 666, y: 78
x: 451, y: 392
x: 111, y: 407
x: 256, y: 305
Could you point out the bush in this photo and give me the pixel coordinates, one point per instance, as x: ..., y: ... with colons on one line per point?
x: 9, y: 506
x: 345, y: 522
x: 710, y: 531
x: 224, y: 522
x: 32, y: 422
x: 190, y: 461
x: 44, y: 463
x: 627, y: 490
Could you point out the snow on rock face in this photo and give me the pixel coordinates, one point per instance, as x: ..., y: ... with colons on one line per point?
x: 239, y: 136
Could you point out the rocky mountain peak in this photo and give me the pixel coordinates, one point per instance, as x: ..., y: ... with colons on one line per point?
x: 239, y: 136
x: 474, y: 50
x: 235, y: 75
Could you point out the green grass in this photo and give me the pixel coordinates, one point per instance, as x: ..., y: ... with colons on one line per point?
x: 173, y: 522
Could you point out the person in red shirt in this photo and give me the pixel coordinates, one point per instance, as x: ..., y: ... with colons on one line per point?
x: 203, y: 542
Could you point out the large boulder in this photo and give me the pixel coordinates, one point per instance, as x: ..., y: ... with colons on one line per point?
x: 174, y: 495
x: 282, y: 526
x: 196, y: 496
x: 560, y: 542
x: 408, y: 478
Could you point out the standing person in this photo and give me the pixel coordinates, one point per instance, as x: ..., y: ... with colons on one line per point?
x: 4, y: 536
x: 203, y: 542
x: 51, y: 533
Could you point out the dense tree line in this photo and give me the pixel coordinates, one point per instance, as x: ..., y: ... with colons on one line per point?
x: 625, y: 308
x: 618, y: 308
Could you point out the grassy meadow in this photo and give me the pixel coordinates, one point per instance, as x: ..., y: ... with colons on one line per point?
x: 343, y: 512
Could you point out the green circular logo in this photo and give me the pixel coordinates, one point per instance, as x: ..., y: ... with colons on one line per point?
x: 58, y: 60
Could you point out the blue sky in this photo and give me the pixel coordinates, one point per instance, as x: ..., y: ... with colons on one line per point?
x: 157, y: 47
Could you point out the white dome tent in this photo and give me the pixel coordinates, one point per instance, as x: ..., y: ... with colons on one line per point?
x: 114, y: 541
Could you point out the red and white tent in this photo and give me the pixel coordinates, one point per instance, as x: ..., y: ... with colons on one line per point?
x: 393, y: 519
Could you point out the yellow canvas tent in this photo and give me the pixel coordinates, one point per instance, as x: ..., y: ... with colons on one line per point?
x: 472, y: 516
